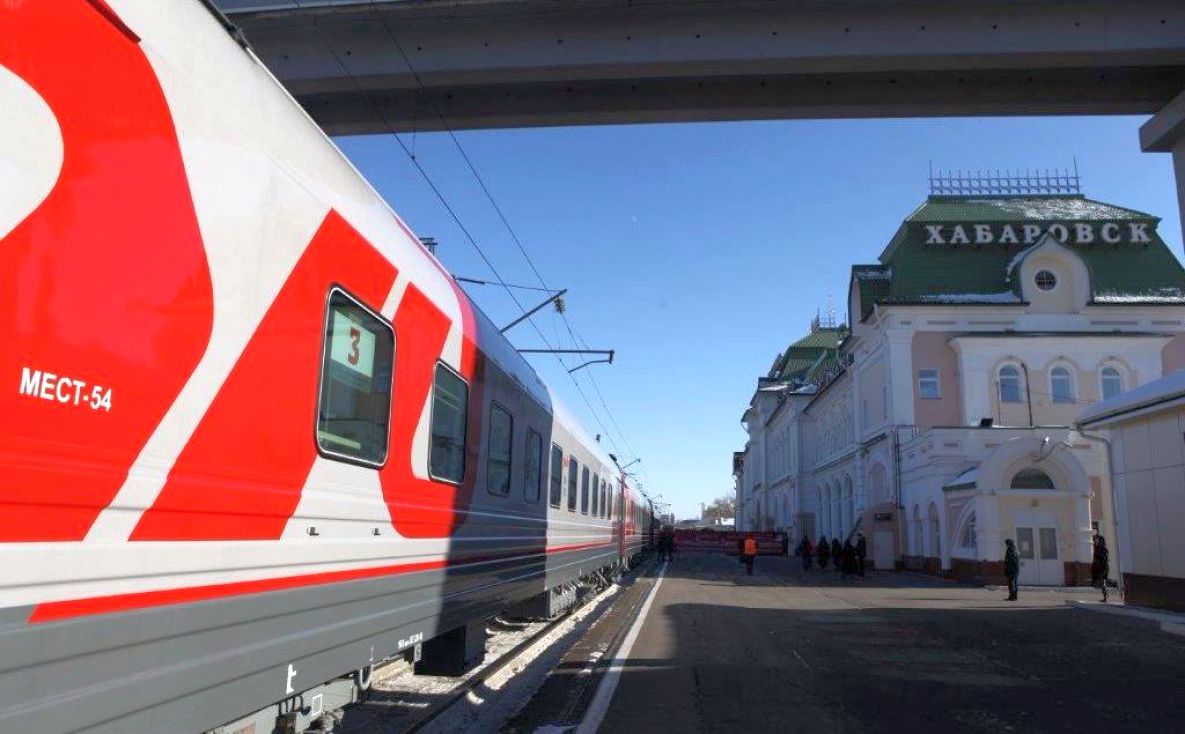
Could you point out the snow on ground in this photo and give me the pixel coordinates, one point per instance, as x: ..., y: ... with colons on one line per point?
x: 489, y: 706
x: 399, y: 697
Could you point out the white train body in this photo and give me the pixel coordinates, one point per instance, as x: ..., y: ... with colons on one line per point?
x: 203, y: 506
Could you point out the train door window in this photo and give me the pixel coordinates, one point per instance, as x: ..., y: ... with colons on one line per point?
x: 584, y: 491
x: 573, y: 472
x: 533, y: 477
x: 596, y: 484
x: 354, y: 404
x: 500, y: 449
x: 450, y: 406
x: 556, y: 489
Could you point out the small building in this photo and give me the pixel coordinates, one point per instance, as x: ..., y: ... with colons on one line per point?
x: 1145, y: 427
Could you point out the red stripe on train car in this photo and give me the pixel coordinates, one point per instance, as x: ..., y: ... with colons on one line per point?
x: 105, y: 292
x: 67, y: 609
x: 425, y: 508
x: 241, y: 474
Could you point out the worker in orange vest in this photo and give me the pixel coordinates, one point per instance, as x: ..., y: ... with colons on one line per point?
x: 749, y: 551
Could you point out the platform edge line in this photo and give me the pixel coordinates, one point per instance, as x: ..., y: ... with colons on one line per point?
x: 600, y: 704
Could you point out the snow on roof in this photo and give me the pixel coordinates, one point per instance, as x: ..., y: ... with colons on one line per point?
x: 1166, y: 388
x: 1004, y: 297
x: 1020, y: 256
x: 1166, y: 295
x: 1054, y: 208
x: 966, y: 479
x: 886, y: 274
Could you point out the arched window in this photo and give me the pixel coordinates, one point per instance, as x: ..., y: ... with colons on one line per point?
x: 935, y: 533
x: 1009, y: 384
x: 967, y: 539
x: 1031, y: 478
x: 918, y: 545
x: 849, y: 506
x: 1112, y: 382
x: 1061, y: 386
x: 880, y: 492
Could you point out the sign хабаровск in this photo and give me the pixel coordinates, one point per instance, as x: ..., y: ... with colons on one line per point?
x: 1077, y: 233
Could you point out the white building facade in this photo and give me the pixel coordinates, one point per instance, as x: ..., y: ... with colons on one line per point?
x: 942, y: 422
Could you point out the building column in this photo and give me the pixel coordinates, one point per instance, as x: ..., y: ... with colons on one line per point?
x: 899, y: 358
x: 989, y: 539
x: 1165, y: 133
x: 1083, y: 540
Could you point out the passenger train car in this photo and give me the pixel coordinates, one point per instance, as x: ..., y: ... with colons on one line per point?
x: 253, y: 437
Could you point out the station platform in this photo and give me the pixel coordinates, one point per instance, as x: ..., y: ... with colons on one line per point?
x: 716, y: 650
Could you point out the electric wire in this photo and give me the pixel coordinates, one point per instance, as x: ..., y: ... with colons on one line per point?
x: 576, y: 341
x: 438, y: 193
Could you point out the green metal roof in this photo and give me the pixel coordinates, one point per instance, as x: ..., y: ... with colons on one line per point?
x: 1069, y: 207
x: 913, y: 271
x: 801, y: 356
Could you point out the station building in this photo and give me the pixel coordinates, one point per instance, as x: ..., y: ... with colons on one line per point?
x: 941, y: 421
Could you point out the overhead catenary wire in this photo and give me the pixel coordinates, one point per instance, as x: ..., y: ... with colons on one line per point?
x: 577, y: 342
x: 439, y: 194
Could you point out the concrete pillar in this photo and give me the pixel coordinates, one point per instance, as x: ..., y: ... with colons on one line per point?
x: 1165, y: 133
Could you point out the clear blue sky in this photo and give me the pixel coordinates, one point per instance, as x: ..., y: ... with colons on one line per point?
x: 698, y: 251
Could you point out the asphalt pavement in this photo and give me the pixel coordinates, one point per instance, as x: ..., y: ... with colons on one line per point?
x: 785, y: 650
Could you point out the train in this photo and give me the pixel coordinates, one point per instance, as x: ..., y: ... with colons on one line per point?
x: 254, y: 438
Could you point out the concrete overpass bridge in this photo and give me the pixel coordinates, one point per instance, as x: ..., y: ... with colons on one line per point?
x: 363, y: 66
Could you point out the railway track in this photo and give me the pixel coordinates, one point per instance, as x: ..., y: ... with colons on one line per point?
x: 387, y: 710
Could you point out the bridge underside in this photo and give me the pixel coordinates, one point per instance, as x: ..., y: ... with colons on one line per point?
x: 364, y: 66
x: 385, y: 106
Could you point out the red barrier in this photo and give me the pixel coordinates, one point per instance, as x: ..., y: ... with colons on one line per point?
x: 728, y: 542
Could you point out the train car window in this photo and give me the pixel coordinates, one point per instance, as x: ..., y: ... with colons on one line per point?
x: 500, y: 450
x: 354, y: 403
x: 556, y: 489
x: 596, y: 488
x: 450, y: 408
x: 584, y: 492
x: 533, y: 477
x: 604, y: 499
x: 573, y: 472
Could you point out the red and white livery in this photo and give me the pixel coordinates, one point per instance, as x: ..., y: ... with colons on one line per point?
x: 252, y: 435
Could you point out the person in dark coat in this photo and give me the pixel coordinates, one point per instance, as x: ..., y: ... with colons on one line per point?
x: 1011, y: 567
x: 823, y: 552
x: 861, y: 552
x: 1100, y: 565
x: 848, y: 562
x: 806, y: 550
x: 836, y: 552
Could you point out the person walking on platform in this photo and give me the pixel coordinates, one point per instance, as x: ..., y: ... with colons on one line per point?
x: 1100, y: 565
x: 1011, y: 568
x: 836, y: 553
x: 806, y: 550
x: 823, y: 552
x: 861, y: 552
x: 749, y: 551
